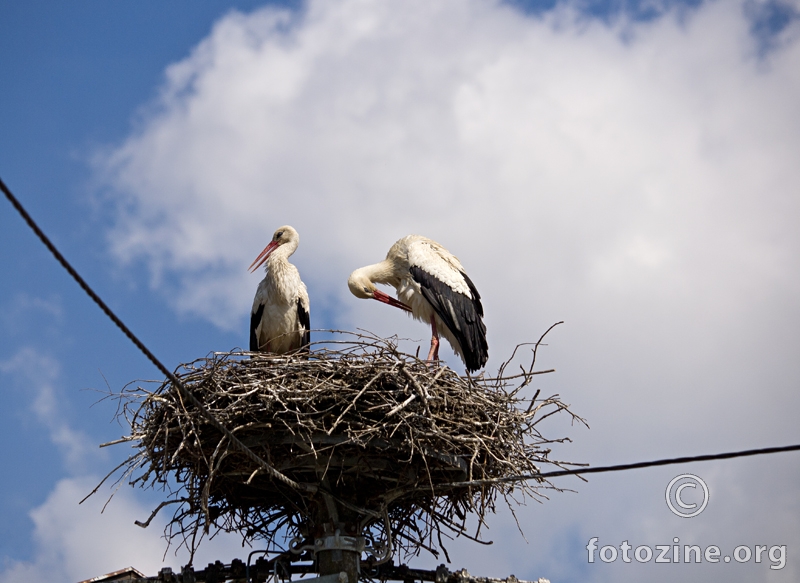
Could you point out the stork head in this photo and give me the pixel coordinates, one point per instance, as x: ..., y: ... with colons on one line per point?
x: 362, y: 287
x: 284, y: 236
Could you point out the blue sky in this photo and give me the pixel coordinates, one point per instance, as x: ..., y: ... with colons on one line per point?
x: 641, y: 162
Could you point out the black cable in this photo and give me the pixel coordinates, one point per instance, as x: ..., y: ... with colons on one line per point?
x: 671, y: 461
x: 132, y: 337
x: 623, y: 467
x: 85, y: 286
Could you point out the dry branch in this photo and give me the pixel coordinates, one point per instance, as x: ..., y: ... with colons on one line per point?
x: 376, y: 432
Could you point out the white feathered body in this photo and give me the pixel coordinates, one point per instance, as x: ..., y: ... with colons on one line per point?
x: 280, y: 314
x: 433, y: 283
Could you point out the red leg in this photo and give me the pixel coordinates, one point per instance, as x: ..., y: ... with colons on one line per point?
x: 434, y: 353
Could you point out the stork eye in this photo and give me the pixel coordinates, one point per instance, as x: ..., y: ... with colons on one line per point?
x: 366, y: 289
x: 279, y: 234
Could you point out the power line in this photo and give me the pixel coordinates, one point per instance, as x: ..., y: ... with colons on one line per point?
x: 671, y: 461
x: 624, y: 467
x: 308, y: 487
x: 186, y: 393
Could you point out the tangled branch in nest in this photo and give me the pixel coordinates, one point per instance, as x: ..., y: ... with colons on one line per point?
x: 378, y: 441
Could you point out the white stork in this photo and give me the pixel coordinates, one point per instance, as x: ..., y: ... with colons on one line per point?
x: 279, y: 321
x: 431, y: 284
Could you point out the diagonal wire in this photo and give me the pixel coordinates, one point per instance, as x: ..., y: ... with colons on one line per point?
x: 671, y: 461
x: 150, y: 356
x: 624, y: 467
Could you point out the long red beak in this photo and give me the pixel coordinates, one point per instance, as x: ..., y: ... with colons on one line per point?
x: 263, y: 256
x: 387, y: 299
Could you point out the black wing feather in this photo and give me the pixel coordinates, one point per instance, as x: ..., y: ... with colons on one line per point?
x: 461, y: 314
x: 305, y: 321
x: 255, y: 320
x: 475, y: 295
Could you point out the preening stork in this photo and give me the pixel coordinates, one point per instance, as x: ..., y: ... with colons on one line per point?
x: 431, y: 284
x: 279, y: 321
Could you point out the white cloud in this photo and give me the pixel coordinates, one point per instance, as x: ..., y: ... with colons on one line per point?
x: 38, y: 373
x: 540, y: 140
x: 23, y: 304
x: 72, y: 542
x: 637, y: 180
x: 75, y: 542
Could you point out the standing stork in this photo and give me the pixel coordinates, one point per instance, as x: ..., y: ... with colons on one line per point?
x: 431, y: 284
x: 279, y: 321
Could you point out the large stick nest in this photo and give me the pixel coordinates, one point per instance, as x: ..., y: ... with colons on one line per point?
x: 406, y: 451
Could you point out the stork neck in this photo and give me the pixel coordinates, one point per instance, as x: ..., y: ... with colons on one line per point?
x: 382, y: 272
x: 281, y: 255
x: 277, y: 267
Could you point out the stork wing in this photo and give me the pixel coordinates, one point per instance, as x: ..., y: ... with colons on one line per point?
x: 459, y: 312
x: 255, y: 321
x: 305, y: 321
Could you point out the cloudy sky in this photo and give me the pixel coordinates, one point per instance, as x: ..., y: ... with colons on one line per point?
x: 628, y: 167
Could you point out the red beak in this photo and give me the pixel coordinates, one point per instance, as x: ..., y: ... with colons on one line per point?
x: 387, y: 299
x: 263, y: 256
